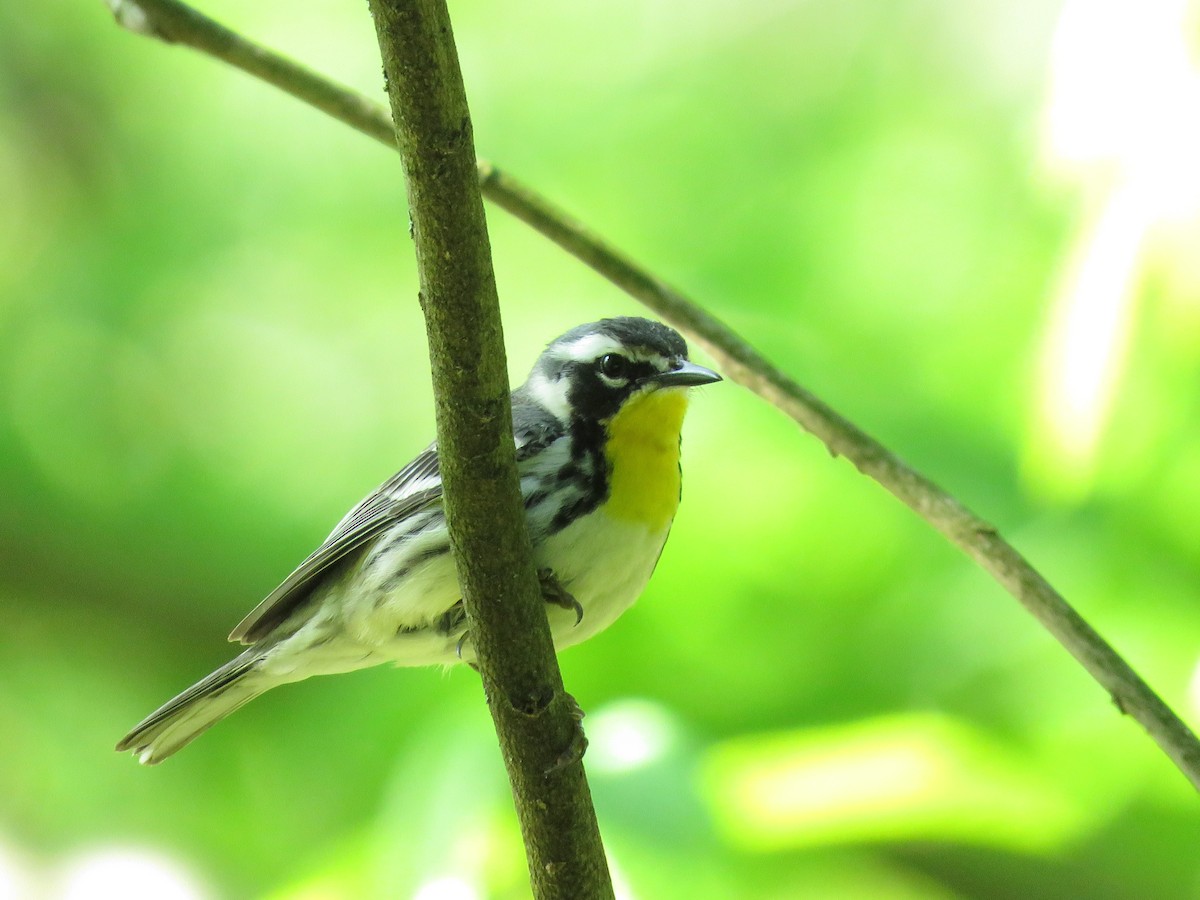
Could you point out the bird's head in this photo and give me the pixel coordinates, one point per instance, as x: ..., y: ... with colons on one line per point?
x: 593, y: 370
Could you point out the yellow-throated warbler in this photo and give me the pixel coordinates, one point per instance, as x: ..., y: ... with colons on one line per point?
x: 597, y: 428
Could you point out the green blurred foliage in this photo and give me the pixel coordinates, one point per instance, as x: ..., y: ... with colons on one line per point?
x: 212, y: 348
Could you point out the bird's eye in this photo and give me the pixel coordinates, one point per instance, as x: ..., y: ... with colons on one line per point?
x: 614, y: 366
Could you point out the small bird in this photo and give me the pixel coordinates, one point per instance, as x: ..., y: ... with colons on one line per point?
x: 597, y: 431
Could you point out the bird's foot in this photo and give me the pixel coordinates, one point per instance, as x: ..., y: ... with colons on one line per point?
x: 577, y: 745
x: 554, y: 592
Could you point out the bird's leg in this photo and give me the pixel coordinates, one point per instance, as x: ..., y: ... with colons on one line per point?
x: 449, y: 622
x: 554, y: 592
x: 578, y: 743
x: 539, y: 704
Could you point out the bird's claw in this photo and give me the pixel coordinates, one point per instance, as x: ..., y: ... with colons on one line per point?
x: 554, y: 592
x: 578, y: 743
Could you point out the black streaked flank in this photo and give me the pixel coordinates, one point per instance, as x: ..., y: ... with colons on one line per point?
x: 425, y: 522
x: 536, y: 497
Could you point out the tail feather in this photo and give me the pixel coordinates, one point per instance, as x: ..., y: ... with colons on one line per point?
x: 181, y: 720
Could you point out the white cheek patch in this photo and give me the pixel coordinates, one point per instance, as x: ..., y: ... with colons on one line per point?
x: 550, y: 394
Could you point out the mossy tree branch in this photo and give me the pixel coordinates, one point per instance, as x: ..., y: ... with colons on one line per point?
x: 741, y: 363
x: 534, y: 717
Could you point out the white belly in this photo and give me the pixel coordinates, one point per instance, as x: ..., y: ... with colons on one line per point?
x: 605, y: 564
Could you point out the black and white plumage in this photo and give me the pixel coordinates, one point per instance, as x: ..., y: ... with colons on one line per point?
x: 596, y: 428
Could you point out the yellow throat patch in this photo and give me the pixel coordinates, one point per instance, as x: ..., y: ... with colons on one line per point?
x: 643, y: 453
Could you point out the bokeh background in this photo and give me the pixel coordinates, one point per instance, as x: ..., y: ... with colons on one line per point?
x: 973, y: 227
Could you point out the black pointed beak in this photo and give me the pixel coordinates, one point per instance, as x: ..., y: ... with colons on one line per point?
x: 687, y: 375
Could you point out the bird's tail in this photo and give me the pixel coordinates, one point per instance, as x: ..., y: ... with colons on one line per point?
x: 179, y: 721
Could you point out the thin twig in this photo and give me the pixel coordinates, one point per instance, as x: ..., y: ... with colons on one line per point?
x: 977, y: 538
x: 741, y: 363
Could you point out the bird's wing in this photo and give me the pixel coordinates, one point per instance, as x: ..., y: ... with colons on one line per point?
x: 415, y: 487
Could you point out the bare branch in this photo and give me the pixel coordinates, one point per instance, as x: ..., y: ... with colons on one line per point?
x: 980, y: 540
x: 177, y: 23
x: 742, y: 363
x: 535, y: 719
